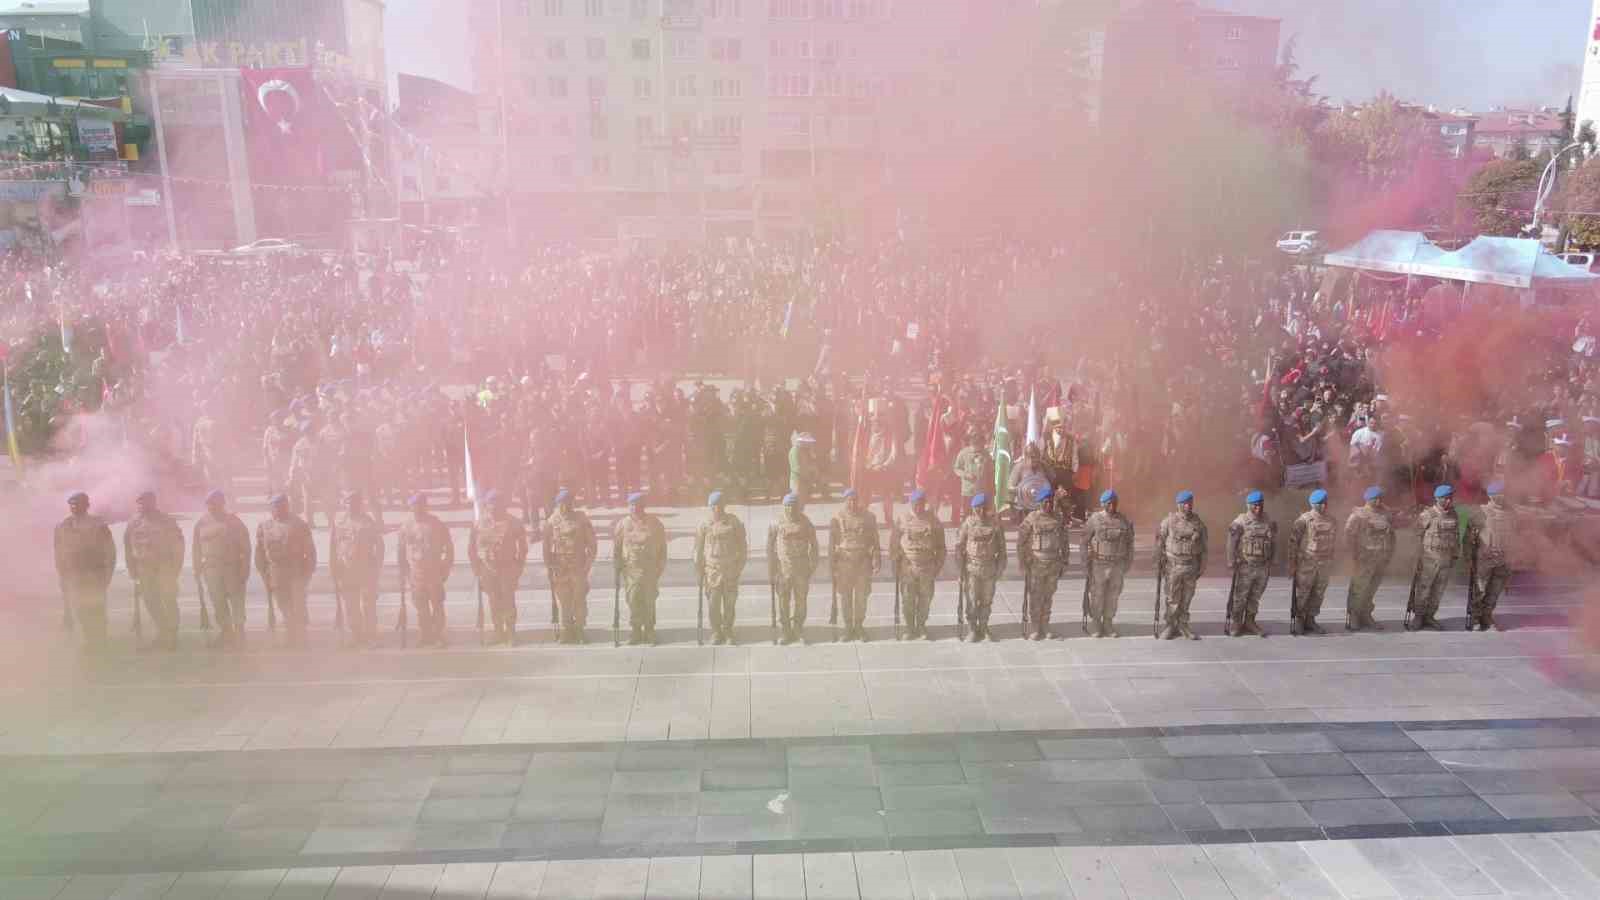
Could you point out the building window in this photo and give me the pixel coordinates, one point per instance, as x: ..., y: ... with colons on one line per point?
x: 646, y: 126
x: 597, y: 86
x: 791, y: 84
x: 596, y: 47
x: 562, y: 165
x: 599, y: 128
x: 725, y: 9
x: 558, y: 86
x: 681, y: 86
x: 793, y: 124
x: 789, y: 9
x: 641, y: 9
x: 803, y: 49
x: 728, y: 49
x: 727, y: 126
x: 601, y: 167
x: 680, y: 47
x: 594, y: 9
x: 552, y: 7
x: 555, y: 48
x: 727, y: 88
x: 778, y: 50
x: 641, y: 48
x: 643, y: 89
x: 1235, y: 32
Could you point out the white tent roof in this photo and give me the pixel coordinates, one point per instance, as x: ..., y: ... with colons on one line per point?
x: 1510, y: 262
x: 1386, y: 251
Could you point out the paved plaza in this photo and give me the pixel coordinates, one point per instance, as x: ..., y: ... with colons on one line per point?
x: 1347, y: 765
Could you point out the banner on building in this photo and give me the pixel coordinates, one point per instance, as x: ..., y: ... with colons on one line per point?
x: 285, y: 125
x: 1306, y: 475
x: 98, y: 136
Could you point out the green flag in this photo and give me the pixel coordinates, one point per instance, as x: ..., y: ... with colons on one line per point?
x: 1002, y: 455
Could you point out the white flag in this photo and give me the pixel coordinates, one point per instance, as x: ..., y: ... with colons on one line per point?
x: 472, y: 481
x: 1033, y: 419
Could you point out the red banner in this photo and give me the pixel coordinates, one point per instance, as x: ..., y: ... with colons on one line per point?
x: 285, y: 122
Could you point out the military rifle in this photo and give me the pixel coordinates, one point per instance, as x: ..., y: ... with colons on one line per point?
x: 1233, y: 593
x: 897, y: 601
x: 700, y: 612
x: 616, y: 603
x: 833, y: 604
x: 401, y: 625
x: 961, y: 607
x: 1472, y: 577
x: 1161, y: 579
x: 138, y: 625
x: 772, y: 588
x: 1088, y: 581
x: 200, y: 591
x: 1294, y: 601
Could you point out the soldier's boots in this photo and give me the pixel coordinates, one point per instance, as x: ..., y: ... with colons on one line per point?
x: 650, y: 635
x: 1487, y: 623
x: 717, y: 639
x: 635, y: 636
x: 1107, y: 629
x: 1429, y: 623
x: 977, y: 633
x: 861, y: 634
x: 1171, y: 632
x: 1310, y: 626
x: 788, y: 636
x: 218, y: 642
x: 497, y: 637
x: 1248, y: 627
x: 1092, y: 628
x: 1189, y: 634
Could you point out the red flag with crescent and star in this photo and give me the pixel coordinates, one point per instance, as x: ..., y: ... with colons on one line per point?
x: 285, y: 124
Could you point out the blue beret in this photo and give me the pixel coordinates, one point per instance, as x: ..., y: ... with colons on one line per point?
x: 978, y: 500
x: 563, y: 495
x: 1372, y: 493
x: 215, y: 497
x: 715, y: 499
x: 491, y: 495
x: 1495, y: 488
x: 1108, y: 496
x: 416, y: 501
x: 916, y: 495
x: 790, y: 499
x: 635, y: 497
x: 1319, y: 496
x: 277, y: 500
x: 1443, y: 491
x: 849, y: 492
x: 1252, y: 497
x: 1186, y: 496
x: 1043, y: 494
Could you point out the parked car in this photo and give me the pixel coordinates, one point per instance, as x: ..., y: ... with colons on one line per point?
x: 1300, y: 243
x: 1585, y: 261
x: 266, y: 246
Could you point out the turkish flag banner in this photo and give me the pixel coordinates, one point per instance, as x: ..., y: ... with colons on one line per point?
x: 286, y: 123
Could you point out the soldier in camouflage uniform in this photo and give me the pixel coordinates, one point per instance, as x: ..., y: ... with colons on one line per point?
x: 1107, y: 554
x: 792, y: 557
x: 720, y: 551
x: 1440, y: 532
x: 220, y: 551
x: 639, y: 550
x: 152, y: 544
x: 1491, y: 538
x: 569, y: 548
x: 312, y: 475
x: 498, y: 550
x: 1371, y: 537
x: 355, y: 558
x: 86, y: 557
x: 1181, y: 556
x: 917, y: 553
x: 1311, y: 551
x: 426, y: 555
x: 1043, y: 547
x: 1252, y: 544
x: 981, y: 560
x: 286, y: 557
x: 854, y: 556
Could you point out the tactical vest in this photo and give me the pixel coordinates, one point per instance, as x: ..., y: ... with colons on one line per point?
x: 1495, y: 534
x: 722, y: 541
x: 80, y: 548
x: 919, y: 543
x: 1184, y: 544
x: 495, y: 543
x: 855, y: 538
x: 793, y: 543
x: 1441, y: 537
x: 636, y: 550
x: 278, y: 539
x: 424, y: 542
x: 1317, y: 542
x: 146, y: 542
x: 350, y: 544
x: 211, y: 538
x: 1108, y: 539
x: 982, y: 560
x: 566, y: 540
x: 1048, y: 539
x: 1255, y: 540
x: 1376, y: 533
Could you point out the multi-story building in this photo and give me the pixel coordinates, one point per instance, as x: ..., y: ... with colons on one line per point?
x: 725, y: 117
x: 1159, y: 50
x: 1510, y: 132
x: 441, y: 155
x: 1588, y: 109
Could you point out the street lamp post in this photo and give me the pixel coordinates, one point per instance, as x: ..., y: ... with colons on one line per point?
x: 1547, y: 184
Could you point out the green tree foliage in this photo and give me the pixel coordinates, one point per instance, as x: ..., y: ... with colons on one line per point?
x: 1579, y: 196
x: 1499, y: 197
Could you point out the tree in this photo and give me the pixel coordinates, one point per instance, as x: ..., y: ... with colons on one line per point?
x: 1500, y: 196
x: 1579, y: 198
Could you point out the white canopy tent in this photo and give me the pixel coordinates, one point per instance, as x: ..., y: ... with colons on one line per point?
x: 1394, y: 252
x: 1521, y: 264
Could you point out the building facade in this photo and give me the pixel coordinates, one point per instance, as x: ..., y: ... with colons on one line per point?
x: 648, y: 118
x: 1588, y: 108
